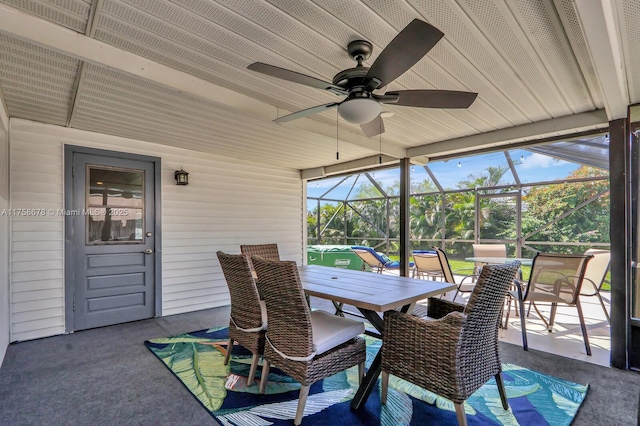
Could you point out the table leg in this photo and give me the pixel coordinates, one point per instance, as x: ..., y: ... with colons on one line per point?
x: 371, y: 377
x: 338, y: 306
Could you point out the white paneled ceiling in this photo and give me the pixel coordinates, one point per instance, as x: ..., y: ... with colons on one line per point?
x: 175, y: 72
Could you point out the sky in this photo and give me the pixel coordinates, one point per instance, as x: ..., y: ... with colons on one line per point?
x: 531, y: 167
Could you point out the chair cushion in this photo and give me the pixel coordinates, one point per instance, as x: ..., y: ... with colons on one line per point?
x: 263, y: 314
x: 331, y: 330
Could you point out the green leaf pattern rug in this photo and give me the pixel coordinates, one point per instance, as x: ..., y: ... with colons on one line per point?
x: 197, y: 360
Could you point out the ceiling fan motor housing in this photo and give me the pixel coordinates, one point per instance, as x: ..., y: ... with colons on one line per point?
x: 350, y: 78
x: 360, y: 51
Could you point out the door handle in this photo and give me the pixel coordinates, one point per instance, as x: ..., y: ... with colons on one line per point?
x: 148, y: 251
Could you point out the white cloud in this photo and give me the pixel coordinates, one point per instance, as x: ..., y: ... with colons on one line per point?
x: 539, y: 161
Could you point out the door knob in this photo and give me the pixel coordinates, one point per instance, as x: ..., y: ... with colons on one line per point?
x: 148, y: 251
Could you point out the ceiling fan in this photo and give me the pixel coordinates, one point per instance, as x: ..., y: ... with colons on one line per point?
x: 361, y: 105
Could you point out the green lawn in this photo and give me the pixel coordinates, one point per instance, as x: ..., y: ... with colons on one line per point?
x: 466, y: 268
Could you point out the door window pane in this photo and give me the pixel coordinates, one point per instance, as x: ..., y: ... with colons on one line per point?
x: 115, y: 205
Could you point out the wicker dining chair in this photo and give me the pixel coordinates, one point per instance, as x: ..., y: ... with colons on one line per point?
x: 265, y: 251
x: 248, y: 319
x: 554, y: 279
x: 307, y: 345
x: 454, y: 351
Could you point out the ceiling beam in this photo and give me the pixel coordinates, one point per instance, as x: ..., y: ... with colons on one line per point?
x: 32, y: 29
x: 421, y: 155
x: 599, y: 20
x: 530, y: 131
x: 90, y: 31
x: 348, y: 166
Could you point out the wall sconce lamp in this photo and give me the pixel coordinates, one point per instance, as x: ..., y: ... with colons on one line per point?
x: 182, y: 177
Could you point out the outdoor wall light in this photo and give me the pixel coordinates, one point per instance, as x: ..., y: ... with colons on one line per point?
x: 182, y: 177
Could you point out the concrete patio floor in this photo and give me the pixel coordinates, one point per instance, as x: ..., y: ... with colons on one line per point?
x: 565, y: 339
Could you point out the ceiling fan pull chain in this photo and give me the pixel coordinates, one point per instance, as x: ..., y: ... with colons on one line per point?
x: 380, y: 156
x: 337, y: 140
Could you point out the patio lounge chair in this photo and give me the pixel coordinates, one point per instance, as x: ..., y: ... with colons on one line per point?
x: 376, y: 261
x: 371, y: 259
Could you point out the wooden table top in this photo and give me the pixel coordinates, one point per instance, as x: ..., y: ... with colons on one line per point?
x: 367, y: 290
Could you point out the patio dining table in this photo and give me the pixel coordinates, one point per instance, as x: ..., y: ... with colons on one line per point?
x: 373, y: 294
x: 499, y: 260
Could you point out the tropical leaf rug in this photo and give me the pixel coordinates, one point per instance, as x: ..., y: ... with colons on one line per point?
x: 196, y: 359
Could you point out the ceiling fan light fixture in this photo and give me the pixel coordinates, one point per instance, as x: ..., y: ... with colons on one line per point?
x: 360, y: 110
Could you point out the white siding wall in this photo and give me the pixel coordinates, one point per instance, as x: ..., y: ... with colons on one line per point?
x: 4, y: 233
x: 228, y: 202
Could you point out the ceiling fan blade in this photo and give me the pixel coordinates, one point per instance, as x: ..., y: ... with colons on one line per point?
x: 407, y: 48
x: 293, y: 76
x: 432, y: 98
x: 306, y: 112
x: 373, y: 128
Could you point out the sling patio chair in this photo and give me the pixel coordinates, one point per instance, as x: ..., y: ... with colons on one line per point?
x: 465, y: 285
x: 555, y: 279
x: 427, y: 265
x: 454, y: 351
x: 307, y: 345
x: 596, y: 275
x: 248, y: 319
x: 488, y: 250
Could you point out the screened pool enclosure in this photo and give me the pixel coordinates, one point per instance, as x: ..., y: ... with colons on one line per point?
x: 551, y: 198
